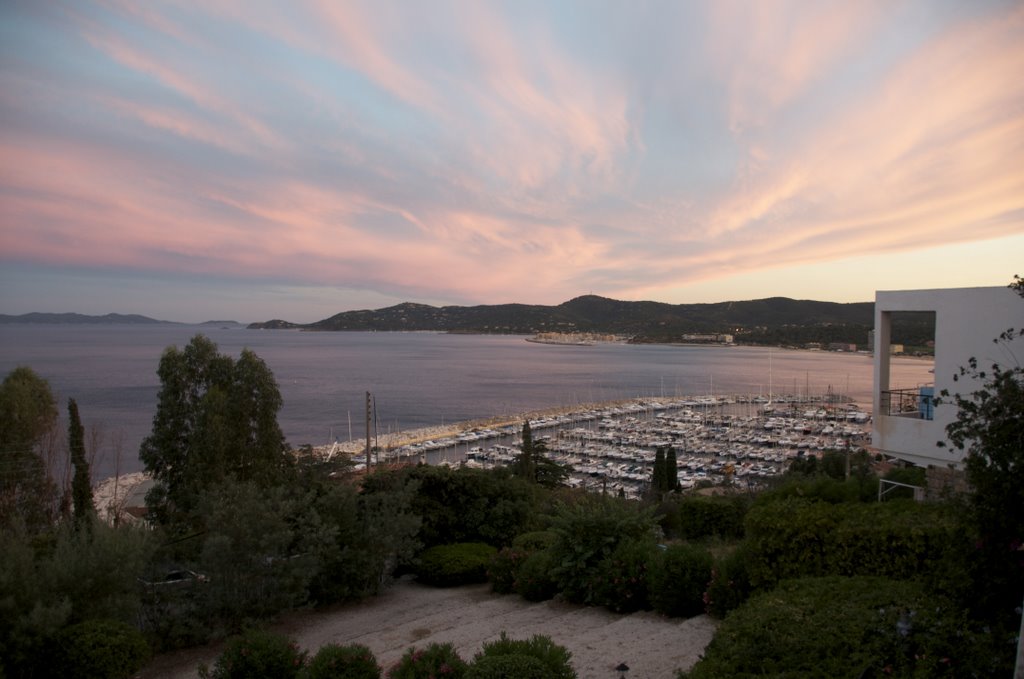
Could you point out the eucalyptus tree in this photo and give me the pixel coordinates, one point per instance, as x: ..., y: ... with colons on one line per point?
x: 216, y: 418
x: 28, y: 412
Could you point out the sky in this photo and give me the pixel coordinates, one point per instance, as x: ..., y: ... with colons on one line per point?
x: 252, y: 160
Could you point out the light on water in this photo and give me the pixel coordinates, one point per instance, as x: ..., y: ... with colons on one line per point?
x: 417, y: 379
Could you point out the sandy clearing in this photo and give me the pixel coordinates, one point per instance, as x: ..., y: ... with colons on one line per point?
x: 410, y: 614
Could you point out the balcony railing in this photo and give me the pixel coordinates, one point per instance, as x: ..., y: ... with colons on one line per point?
x: 917, y: 403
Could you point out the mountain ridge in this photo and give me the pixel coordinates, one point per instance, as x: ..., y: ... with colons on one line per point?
x: 644, y: 321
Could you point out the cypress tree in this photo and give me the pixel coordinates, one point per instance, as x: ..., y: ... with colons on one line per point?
x: 671, y: 470
x: 526, y: 466
x: 81, y: 486
x: 658, y: 480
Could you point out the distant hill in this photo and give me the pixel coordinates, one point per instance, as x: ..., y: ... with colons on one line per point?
x: 773, y: 320
x: 108, y: 319
x: 220, y: 323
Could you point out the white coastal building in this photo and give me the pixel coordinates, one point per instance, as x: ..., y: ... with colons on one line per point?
x: 907, y: 422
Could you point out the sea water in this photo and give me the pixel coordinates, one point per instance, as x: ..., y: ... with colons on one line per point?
x: 416, y: 379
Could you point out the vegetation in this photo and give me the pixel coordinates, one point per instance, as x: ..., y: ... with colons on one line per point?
x: 847, y: 627
x: 257, y: 654
x: 99, y: 649
x: 459, y: 564
x: 678, y: 580
x: 334, y: 661
x: 216, y: 418
x: 28, y: 413
x: 554, y: 660
x: 81, y: 485
x: 436, y: 660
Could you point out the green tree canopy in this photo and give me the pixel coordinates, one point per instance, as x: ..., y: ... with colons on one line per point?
x: 27, y: 413
x: 216, y: 418
x: 81, y: 483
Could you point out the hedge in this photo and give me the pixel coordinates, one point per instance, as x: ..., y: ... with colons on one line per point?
x: 458, y: 564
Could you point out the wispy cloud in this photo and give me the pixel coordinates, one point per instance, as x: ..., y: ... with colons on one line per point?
x: 477, y: 152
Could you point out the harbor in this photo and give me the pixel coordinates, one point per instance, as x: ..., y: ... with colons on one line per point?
x: 611, y: 447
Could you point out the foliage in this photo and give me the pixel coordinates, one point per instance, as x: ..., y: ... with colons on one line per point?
x: 556, y: 659
x: 679, y: 578
x: 463, y: 505
x: 534, y: 540
x: 525, y: 467
x: 507, y: 667
x: 658, y: 474
x: 27, y: 414
x: 587, y: 534
x: 436, y: 660
x: 65, y: 577
x: 795, y: 537
x: 534, y: 581
x: 503, y: 567
x: 730, y: 582
x: 848, y: 627
x: 257, y: 654
x: 671, y: 470
x: 989, y: 427
x: 825, y: 488
x: 99, y: 649
x: 334, y: 661
x: 81, y: 484
x: 623, y: 579
x: 700, y: 516
x: 216, y: 417
x: 913, y: 476
x: 459, y: 564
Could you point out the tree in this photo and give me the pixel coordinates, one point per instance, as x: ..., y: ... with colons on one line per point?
x: 658, y: 476
x: 525, y: 466
x: 216, y: 418
x: 989, y: 426
x: 671, y: 470
x: 81, y: 484
x: 27, y: 413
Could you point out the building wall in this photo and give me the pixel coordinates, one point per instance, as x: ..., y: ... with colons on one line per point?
x: 966, y: 322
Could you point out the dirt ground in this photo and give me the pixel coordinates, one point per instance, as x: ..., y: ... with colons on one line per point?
x: 409, y: 614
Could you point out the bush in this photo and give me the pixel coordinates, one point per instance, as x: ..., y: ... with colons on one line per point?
x: 847, y: 627
x: 679, y: 579
x: 342, y: 662
x: 622, y: 580
x: 507, y: 667
x: 797, y: 538
x: 534, y: 541
x: 257, y: 654
x: 533, y: 579
x: 436, y: 660
x: 458, y: 564
x: 99, y: 649
x: 587, y: 534
x: 555, y: 659
x: 730, y: 582
x: 702, y: 517
x: 502, y: 569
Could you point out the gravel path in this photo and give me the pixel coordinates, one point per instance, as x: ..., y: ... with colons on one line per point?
x: 411, y: 614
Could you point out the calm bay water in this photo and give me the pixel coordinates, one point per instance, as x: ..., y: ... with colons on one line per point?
x: 417, y: 379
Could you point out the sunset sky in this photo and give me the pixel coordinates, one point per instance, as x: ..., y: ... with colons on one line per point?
x: 255, y: 160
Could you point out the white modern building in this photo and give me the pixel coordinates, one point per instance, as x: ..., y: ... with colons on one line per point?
x: 907, y: 422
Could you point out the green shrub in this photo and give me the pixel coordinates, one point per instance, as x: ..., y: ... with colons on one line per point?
x: 533, y: 579
x: 701, y: 517
x: 342, y: 662
x: 534, y: 541
x: 257, y: 654
x: 679, y: 579
x: 587, y: 534
x: 847, y: 627
x: 796, y: 538
x: 502, y: 569
x: 99, y: 649
x: 913, y: 476
x: 622, y: 579
x: 507, y: 667
x: 433, y: 662
x: 458, y: 564
x: 730, y: 582
x: 556, y: 659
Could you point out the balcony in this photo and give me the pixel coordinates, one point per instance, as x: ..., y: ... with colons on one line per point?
x: 917, y: 403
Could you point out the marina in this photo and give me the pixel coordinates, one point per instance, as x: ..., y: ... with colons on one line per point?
x: 612, y: 447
